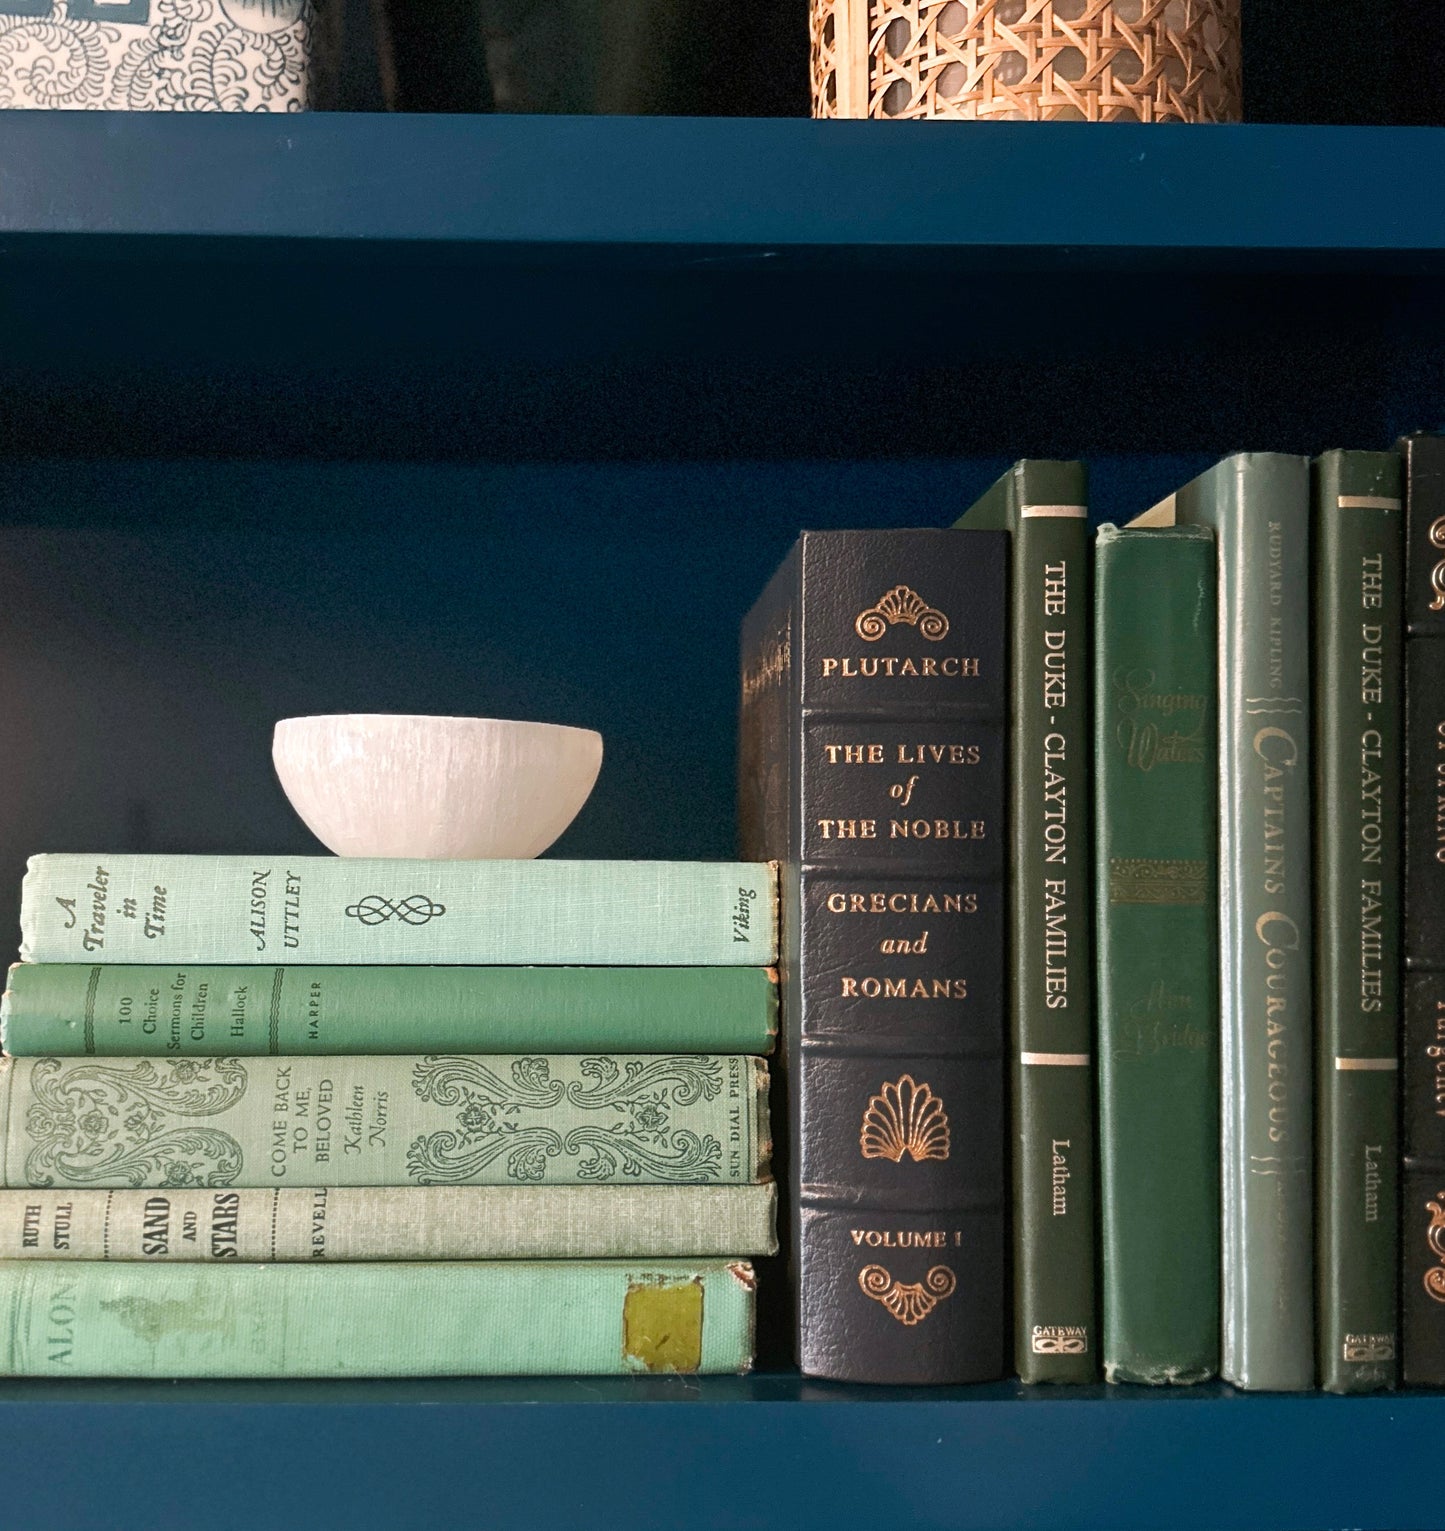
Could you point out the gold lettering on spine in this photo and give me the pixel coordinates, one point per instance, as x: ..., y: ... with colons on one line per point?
x: 1054, y: 848
x: 890, y: 667
x: 902, y: 903
x: 1277, y: 749
x: 1440, y: 792
x: 1280, y: 936
x: 1059, y: 1177
x: 1367, y: 1347
x: 1059, y: 1340
x: 870, y: 987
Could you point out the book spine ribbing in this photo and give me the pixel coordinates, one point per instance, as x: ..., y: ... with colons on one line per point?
x: 388, y: 1223
x: 1258, y: 506
x: 1156, y: 823
x: 1422, y: 1307
x: 504, y: 1318
x: 357, y: 910
x: 690, y: 1119
x: 873, y: 761
x: 1358, y: 707
x: 125, y: 1010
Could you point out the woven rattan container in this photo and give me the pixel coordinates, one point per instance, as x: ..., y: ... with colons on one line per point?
x: 1081, y: 60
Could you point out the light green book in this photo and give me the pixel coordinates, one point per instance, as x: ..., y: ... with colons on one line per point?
x: 125, y: 1010
x: 692, y: 1119
x: 489, y: 1318
x: 414, y: 1222
x: 358, y: 910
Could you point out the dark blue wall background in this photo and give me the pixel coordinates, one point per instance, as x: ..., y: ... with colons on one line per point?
x: 156, y: 618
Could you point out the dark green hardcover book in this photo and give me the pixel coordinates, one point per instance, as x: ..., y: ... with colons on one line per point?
x: 1044, y: 505
x: 1358, y: 684
x: 1156, y: 837
x: 1258, y: 506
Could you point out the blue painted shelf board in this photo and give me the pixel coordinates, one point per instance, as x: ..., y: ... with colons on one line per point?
x: 718, y: 1453
x: 543, y: 288
x: 744, y: 187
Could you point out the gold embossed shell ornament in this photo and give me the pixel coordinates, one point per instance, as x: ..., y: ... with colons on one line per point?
x: 910, y: 1302
x: 1059, y: 60
x: 905, y: 1118
x: 901, y: 605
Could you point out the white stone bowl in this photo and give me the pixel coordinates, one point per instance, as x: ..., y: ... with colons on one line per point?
x: 465, y: 789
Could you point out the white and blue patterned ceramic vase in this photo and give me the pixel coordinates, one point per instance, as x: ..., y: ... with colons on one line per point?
x: 158, y: 55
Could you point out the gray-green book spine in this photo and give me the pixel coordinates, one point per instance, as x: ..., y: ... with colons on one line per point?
x: 439, y: 1222
x: 1358, y: 617
x: 65, y: 1318
x: 1258, y: 507
x: 688, y: 1119
x: 1044, y: 506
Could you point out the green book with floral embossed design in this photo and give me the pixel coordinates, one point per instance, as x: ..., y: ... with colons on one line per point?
x: 684, y: 1119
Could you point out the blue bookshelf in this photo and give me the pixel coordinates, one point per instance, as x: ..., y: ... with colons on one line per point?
x: 515, y: 415
x: 586, y: 189
x: 717, y: 1454
x: 657, y: 289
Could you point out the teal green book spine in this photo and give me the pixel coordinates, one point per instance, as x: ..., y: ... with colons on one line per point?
x: 121, y: 1010
x: 1359, y: 657
x: 411, y: 1222
x: 453, y: 1319
x: 1044, y: 506
x: 1258, y: 506
x: 345, y: 911
x: 688, y: 1119
x: 1157, y: 829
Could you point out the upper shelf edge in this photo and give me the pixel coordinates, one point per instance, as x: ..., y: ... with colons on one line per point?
x: 729, y: 184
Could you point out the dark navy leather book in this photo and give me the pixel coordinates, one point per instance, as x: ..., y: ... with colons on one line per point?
x: 874, y: 702
x: 1425, y: 701
x: 1422, y: 1219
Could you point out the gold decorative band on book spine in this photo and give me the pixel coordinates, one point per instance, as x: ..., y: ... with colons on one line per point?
x: 1367, y: 502
x: 1076, y: 512
x: 1367, y: 1065
x: 1138, y: 880
x: 1057, y: 1060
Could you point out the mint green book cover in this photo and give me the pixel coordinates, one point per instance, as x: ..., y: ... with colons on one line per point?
x: 360, y: 910
x: 503, y: 1318
x: 128, y: 1010
x: 682, y: 1119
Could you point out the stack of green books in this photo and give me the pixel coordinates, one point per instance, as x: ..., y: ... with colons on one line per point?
x: 320, y: 1116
